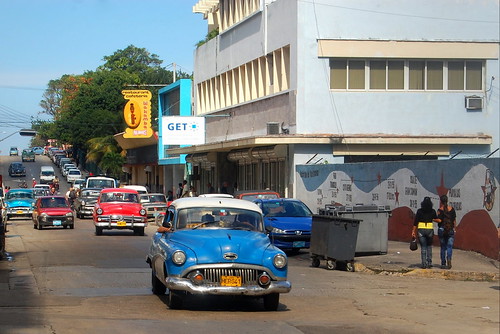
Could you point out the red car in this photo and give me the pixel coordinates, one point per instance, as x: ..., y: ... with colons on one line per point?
x: 119, y: 208
x: 52, y: 211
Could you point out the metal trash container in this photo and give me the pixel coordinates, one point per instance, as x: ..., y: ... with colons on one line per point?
x: 334, y: 240
x: 373, y: 232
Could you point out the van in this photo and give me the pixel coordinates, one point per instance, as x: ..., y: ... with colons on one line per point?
x: 101, y: 182
x: 139, y: 189
x: 47, y: 174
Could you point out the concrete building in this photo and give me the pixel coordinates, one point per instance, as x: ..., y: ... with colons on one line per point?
x: 294, y: 82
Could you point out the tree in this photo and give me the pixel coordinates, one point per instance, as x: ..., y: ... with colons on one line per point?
x: 111, y: 163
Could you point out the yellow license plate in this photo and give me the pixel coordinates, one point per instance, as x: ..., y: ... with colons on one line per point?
x: 230, y: 281
x: 20, y: 212
x: 121, y: 223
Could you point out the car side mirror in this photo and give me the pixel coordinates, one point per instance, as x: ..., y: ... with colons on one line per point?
x: 268, y: 228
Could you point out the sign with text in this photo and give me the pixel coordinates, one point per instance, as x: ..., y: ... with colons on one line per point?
x: 180, y: 130
x: 137, y: 114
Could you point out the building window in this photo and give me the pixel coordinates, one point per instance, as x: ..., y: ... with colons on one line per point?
x: 440, y: 75
x: 396, y: 74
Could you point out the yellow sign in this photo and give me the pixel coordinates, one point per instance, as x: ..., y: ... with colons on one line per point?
x: 137, y: 114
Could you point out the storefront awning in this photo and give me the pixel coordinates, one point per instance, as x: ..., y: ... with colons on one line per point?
x: 343, y: 144
x: 129, y: 143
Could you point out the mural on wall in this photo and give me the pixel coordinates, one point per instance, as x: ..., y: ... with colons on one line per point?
x: 469, y: 183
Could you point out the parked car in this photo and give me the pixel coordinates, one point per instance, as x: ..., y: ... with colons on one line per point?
x: 119, y: 208
x: 64, y: 170
x: 13, y: 151
x: 216, y: 246
x: 28, y: 155
x: 288, y: 222
x: 79, y: 183
x: 154, y: 203
x: 38, y: 150
x: 101, y: 182
x: 84, y: 203
x: 251, y: 195
x: 73, y: 174
x: 19, y: 203
x: 17, y: 169
x: 52, y: 211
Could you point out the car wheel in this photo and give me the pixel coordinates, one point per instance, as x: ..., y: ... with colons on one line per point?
x: 315, y: 262
x: 158, y: 287
x: 271, y: 302
x: 174, y: 300
x: 139, y: 230
x: 40, y: 227
x: 98, y: 230
x: 72, y: 226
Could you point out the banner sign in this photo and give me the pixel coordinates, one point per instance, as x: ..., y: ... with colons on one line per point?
x: 137, y: 114
x: 182, y: 130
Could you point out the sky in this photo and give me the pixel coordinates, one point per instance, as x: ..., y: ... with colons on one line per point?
x: 41, y: 40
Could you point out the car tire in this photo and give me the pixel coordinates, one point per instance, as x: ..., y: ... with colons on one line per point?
x: 72, y: 226
x: 98, y: 230
x: 139, y: 230
x: 174, y: 300
x: 271, y: 301
x: 157, y: 286
x: 40, y: 227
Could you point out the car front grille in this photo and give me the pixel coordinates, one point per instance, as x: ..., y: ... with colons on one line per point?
x: 248, y: 276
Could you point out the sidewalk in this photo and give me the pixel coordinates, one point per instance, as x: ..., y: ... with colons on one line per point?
x: 466, y: 265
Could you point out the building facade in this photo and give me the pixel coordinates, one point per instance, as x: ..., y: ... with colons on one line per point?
x: 291, y: 82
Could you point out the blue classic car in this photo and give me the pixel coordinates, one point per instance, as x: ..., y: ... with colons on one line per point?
x: 216, y: 246
x: 19, y: 203
x: 288, y: 222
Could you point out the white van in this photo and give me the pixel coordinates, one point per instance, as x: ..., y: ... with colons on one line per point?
x: 47, y: 174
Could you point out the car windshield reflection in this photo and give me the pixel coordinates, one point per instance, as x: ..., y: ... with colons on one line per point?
x: 217, y: 218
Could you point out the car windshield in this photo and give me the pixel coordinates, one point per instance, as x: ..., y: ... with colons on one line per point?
x: 119, y: 197
x: 153, y: 199
x: 285, y: 209
x: 19, y: 195
x: 251, y: 197
x: 218, y: 218
x: 90, y: 193
x: 100, y: 183
x: 53, y: 202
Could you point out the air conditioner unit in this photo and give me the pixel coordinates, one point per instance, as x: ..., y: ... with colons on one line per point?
x: 473, y: 102
x: 273, y: 128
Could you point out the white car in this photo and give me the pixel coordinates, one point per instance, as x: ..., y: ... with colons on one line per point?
x: 79, y: 183
x: 73, y: 174
x: 67, y: 167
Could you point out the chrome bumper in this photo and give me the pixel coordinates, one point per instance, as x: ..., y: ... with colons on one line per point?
x: 183, y: 284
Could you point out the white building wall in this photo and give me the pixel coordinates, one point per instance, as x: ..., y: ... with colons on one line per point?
x: 320, y: 110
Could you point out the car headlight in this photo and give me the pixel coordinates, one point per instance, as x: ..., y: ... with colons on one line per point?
x: 279, y: 261
x: 179, y: 257
x: 69, y: 214
x: 142, y: 212
x: 99, y: 211
x: 83, y: 202
x: 277, y: 230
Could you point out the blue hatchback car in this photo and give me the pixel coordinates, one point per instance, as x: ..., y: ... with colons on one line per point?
x: 216, y: 246
x: 288, y: 222
x: 19, y: 203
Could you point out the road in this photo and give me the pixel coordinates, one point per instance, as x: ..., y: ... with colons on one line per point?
x: 72, y: 281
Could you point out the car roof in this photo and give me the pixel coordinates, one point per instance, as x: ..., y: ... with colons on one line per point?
x: 266, y: 200
x: 214, y: 202
x: 118, y: 190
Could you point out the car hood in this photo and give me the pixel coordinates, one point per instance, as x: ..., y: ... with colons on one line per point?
x: 290, y: 223
x: 120, y: 208
x: 55, y: 211
x: 211, y: 245
x: 19, y: 202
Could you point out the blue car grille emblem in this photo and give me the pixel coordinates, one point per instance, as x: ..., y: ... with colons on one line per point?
x: 230, y: 256
x: 298, y: 232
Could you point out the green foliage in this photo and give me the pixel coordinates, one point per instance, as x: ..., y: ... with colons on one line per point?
x: 89, y: 107
x: 211, y: 34
x: 111, y: 163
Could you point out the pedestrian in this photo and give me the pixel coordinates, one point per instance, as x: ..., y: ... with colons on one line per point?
x: 179, y: 191
x: 223, y: 189
x: 185, y: 189
x: 33, y: 183
x: 446, y: 231
x: 424, y: 226
x: 170, y: 196
x: 210, y: 188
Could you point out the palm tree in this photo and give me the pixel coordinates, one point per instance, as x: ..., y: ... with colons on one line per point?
x: 112, y: 163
